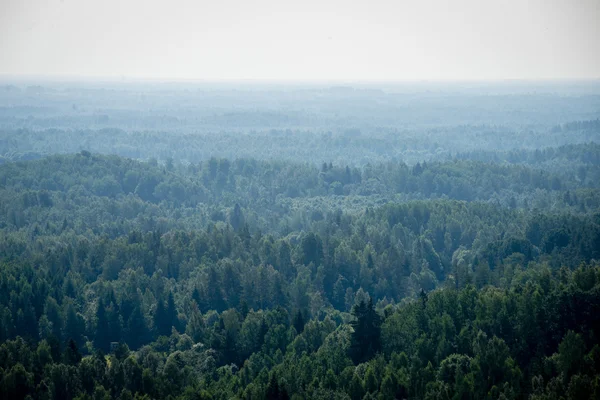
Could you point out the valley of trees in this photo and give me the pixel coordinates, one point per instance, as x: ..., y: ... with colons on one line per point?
x: 253, y: 273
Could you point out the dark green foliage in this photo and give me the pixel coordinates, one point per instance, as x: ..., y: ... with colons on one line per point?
x: 366, y: 334
x: 299, y: 321
x: 274, y: 391
x: 162, y: 319
x: 248, y: 279
x: 72, y: 355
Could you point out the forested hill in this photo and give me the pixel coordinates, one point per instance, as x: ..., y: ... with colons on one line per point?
x: 470, y: 279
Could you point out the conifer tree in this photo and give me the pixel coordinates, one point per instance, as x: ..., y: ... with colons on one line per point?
x: 366, y: 335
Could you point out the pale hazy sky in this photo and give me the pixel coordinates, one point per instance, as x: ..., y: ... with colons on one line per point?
x: 302, y: 39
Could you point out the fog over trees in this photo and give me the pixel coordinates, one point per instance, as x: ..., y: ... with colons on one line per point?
x: 299, y: 241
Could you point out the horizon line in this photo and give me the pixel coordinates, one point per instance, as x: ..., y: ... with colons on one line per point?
x: 63, y: 78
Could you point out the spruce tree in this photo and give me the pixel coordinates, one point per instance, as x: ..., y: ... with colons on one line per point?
x: 161, y: 324
x: 102, y: 337
x: 137, y: 330
x: 299, y: 321
x: 171, y: 316
x: 366, y: 335
x: 72, y: 355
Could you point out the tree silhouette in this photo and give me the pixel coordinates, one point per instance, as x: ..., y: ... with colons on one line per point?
x: 366, y: 335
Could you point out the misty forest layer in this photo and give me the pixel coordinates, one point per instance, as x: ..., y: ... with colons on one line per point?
x: 300, y: 242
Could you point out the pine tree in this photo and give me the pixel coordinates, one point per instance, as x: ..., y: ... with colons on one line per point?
x: 262, y: 333
x: 231, y: 286
x: 137, y: 330
x: 213, y: 291
x: 236, y: 219
x: 102, y: 337
x: 171, y: 316
x: 366, y: 335
x: 356, y: 390
x: 284, y: 259
x: 244, y: 309
x: 115, y: 322
x: 274, y: 391
x: 299, y: 321
x: 72, y: 355
x: 161, y: 323
x: 197, y: 298
x: 74, y: 326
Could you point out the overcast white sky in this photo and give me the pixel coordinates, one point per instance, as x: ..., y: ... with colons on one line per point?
x: 302, y: 39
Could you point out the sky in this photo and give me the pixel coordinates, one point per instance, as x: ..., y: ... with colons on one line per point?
x: 304, y: 40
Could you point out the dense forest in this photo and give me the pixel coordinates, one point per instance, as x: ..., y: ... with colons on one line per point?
x: 448, y: 257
